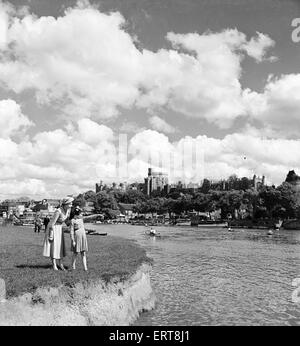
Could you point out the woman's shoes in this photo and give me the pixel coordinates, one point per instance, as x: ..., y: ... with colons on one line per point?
x: 59, y: 268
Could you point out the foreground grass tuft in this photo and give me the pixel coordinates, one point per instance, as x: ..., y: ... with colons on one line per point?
x: 24, y: 269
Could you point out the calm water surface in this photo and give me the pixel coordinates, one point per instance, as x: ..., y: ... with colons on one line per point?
x: 208, y: 276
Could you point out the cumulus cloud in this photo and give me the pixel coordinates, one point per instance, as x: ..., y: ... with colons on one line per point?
x: 12, y: 121
x: 27, y: 187
x: 59, y: 162
x: 241, y: 154
x: 212, y: 89
x: 93, y: 133
x: 130, y: 127
x: 226, y: 42
x: 85, y: 59
x: 87, y: 62
x: 277, y: 107
x: 160, y: 124
x: 257, y: 47
x: 54, y: 163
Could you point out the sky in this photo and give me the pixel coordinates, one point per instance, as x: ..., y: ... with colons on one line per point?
x: 101, y: 90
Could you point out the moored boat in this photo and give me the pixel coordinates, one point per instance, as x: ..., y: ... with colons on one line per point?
x: 291, y: 224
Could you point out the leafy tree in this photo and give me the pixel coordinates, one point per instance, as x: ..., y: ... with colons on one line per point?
x: 90, y: 196
x: 245, y: 183
x: 80, y: 201
x: 230, y: 201
x: 118, y: 195
x: 288, y: 201
x: 281, y: 201
x: 201, y: 202
x: 170, y: 206
x: 134, y: 196
x: 269, y: 198
x: 153, y: 205
x: 105, y: 200
x: 260, y: 212
x: 174, y: 193
x: 182, y: 204
x: 292, y: 177
x: 162, y: 205
x: 279, y: 211
x: 249, y: 201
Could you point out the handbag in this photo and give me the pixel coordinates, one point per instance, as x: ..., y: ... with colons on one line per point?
x: 51, y: 234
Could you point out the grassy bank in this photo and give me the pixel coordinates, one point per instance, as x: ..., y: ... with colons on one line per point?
x: 24, y: 269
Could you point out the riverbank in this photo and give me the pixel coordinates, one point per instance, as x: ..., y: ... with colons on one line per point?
x: 113, y: 292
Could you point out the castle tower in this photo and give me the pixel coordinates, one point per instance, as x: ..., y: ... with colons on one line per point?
x: 156, y: 181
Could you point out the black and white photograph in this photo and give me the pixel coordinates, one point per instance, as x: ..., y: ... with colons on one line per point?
x: 149, y: 165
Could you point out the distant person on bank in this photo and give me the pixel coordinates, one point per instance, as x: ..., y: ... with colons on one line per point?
x: 54, y: 243
x: 78, y: 238
x: 37, y: 224
x: 46, y: 221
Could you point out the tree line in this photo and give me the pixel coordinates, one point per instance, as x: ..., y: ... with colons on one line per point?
x: 267, y: 202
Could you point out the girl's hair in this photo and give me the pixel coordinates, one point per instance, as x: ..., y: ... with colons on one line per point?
x: 76, y: 211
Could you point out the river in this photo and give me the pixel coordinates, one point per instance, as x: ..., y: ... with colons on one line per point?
x: 209, y: 276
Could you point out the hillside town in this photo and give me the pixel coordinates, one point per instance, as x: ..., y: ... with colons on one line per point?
x: 156, y: 201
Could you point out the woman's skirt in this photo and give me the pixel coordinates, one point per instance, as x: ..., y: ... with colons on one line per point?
x: 55, y: 249
x: 80, y: 241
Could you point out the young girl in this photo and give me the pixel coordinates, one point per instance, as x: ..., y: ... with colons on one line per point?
x: 78, y: 238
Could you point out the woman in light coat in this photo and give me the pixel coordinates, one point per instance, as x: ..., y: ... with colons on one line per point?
x: 54, y: 242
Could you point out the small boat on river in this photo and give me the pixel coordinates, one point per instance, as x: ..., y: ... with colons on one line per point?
x: 94, y: 232
x: 152, y: 233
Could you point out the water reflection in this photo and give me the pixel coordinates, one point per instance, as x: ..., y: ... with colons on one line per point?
x: 214, y: 277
